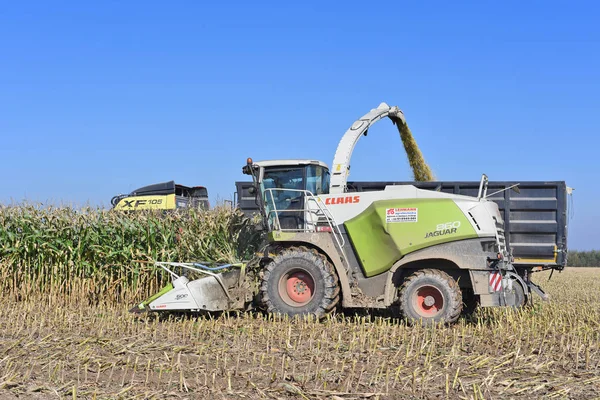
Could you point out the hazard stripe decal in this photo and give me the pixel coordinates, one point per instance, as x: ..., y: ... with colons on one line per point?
x: 495, y: 281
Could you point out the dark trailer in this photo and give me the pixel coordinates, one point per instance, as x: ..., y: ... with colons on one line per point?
x: 535, y: 218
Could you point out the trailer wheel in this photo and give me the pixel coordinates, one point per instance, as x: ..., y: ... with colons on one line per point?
x: 520, y: 297
x: 430, y: 296
x: 300, y: 281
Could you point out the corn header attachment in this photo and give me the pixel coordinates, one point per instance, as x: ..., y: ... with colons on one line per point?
x: 218, y: 288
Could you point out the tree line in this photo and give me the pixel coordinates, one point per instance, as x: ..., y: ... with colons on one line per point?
x: 583, y: 258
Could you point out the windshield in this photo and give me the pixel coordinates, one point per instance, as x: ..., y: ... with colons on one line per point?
x: 289, y: 178
x: 199, y: 192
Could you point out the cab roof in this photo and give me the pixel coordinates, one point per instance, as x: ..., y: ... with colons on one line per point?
x: 290, y: 162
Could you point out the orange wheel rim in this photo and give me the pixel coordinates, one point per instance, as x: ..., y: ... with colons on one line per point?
x: 297, y: 288
x: 428, y: 301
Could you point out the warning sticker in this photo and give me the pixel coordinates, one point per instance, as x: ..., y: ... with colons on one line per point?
x: 401, y: 214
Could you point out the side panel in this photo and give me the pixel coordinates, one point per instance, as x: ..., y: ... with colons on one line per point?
x: 389, y: 229
x: 147, y: 203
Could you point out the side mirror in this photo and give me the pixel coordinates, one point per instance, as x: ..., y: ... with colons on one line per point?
x: 252, y: 190
x: 247, y: 169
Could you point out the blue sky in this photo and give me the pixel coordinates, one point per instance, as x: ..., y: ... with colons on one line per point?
x: 101, y: 98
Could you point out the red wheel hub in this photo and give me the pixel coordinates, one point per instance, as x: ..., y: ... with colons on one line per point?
x: 299, y: 287
x: 429, y: 301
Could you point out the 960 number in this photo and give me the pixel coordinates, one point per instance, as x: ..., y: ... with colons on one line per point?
x: 448, y: 225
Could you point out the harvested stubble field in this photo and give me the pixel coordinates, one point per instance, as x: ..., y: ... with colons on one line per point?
x: 52, y: 350
x: 65, y: 331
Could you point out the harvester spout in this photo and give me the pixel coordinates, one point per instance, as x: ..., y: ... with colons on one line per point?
x: 396, y: 114
x: 340, y: 168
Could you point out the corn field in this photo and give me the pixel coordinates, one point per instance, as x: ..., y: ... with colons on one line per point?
x: 105, y: 256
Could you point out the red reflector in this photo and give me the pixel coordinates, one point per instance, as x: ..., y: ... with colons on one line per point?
x: 323, y: 229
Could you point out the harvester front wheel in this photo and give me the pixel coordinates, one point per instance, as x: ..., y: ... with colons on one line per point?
x: 300, y: 281
x: 430, y: 296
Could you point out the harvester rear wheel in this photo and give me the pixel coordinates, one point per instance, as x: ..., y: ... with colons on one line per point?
x: 300, y: 281
x: 430, y: 296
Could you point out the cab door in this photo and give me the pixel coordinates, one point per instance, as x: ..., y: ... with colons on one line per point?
x: 283, y: 191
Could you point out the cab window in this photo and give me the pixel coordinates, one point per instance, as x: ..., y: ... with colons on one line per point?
x: 317, y: 180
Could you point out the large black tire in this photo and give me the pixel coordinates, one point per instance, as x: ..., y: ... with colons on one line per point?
x: 300, y: 281
x: 430, y: 296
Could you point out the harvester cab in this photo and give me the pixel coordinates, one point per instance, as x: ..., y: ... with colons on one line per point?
x: 284, y: 185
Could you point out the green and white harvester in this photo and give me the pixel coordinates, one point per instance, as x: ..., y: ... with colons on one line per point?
x: 428, y: 254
